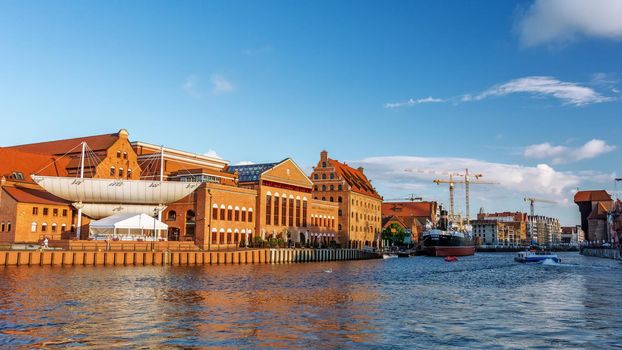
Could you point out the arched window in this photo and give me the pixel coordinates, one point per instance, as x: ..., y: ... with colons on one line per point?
x: 332, y: 187
x: 323, y: 164
x: 332, y: 176
x: 129, y: 173
x: 250, y: 215
x: 291, y: 212
x: 118, y: 154
x: 215, y: 212
x: 172, y: 215
x: 124, y: 155
x: 222, y: 212
x: 53, y: 227
x: 323, y: 198
x: 304, y: 212
x: 332, y: 199
x: 340, y: 199
x: 284, y: 211
x: 237, y: 214
x: 230, y: 213
x: 33, y: 227
x: 315, y: 188
x: 323, y: 176
x: 268, y: 209
x: 339, y: 227
x: 340, y: 188
x: 63, y: 228
x: 276, y: 210
x: 297, y: 212
x: 243, y: 214
x: 324, y: 188
x: 44, y: 227
x: 112, y: 171
x: 120, y: 172
x: 340, y: 212
x: 315, y: 176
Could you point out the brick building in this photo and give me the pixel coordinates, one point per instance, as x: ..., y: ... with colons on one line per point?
x: 593, y: 206
x: 413, y: 216
x: 359, y: 219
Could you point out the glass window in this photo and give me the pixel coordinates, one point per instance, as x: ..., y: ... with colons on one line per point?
x: 172, y: 215
x: 35, y: 210
x: 332, y: 199
x: 124, y: 155
x: 120, y: 172
x: 118, y: 154
x: 324, y: 188
x: 222, y: 213
x: 112, y: 171
x: 250, y: 216
x: 323, y: 164
x: 291, y: 212
x: 33, y: 227
x: 55, y: 212
x: 129, y: 173
x: 323, y: 176
x: 215, y: 213
x: 45, y: 211
x: 243, y: 215
x: 237, y: 215
x: 332, y: 176
x: 276, y: 211
x: 332, y: 188
x: 340, y: 199
x: 340, y: 188
x: 44, y: 227
x: 298, y: 212
x: 284, y: 212
x: 230, y: 214
x: 268, y: 209
x: 64, y: 212
x: 53, y: 227
x: 304, y: 213
x: 315, y: 176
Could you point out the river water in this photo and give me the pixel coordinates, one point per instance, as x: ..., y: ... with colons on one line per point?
x: 485, y: 301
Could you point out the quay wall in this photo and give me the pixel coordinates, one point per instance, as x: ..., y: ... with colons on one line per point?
x: 602, y: 253
x: 159, y: 258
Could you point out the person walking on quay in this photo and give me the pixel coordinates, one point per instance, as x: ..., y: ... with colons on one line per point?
x: 45, y: 243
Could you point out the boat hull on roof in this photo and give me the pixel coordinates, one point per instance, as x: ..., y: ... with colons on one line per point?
x: 102, y: 210
x: 115, y: 191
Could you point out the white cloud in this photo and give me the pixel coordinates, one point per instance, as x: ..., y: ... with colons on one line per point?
x: 568, y: 92
x: 561, y: 21
x: 213, y: 154
x: 245, y: 162
x: 221, y: 85
x: 412, y: 102
x: 564, y: 154
x: 538, y: 86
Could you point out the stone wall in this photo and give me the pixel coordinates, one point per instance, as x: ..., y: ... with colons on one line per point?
x: 602, y: 253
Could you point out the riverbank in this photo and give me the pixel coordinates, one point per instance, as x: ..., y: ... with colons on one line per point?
x: 520, y: 249
x: 134, y: 258
x: 609, y: 253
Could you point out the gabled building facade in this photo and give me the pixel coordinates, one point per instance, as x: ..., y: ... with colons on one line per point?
x: 360, y: 214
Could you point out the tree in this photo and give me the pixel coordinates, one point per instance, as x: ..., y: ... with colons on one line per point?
x: 394, y: 233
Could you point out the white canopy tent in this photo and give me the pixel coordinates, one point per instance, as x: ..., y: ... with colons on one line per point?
x: 128, y: 227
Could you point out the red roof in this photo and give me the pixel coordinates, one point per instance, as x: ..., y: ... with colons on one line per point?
x: 60, y: 147
x: 591, y: 196
x: 30, y: 195
x: 355, y: 178
x: 418, y: 209
x: 600, y: 211
x: 12, y: 160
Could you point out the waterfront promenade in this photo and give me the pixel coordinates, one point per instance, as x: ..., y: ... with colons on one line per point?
x: 177, y: 258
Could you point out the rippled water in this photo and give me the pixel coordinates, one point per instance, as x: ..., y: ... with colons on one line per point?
x: 485, y: 301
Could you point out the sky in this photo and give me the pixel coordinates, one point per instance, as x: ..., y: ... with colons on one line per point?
x: 526, y: 93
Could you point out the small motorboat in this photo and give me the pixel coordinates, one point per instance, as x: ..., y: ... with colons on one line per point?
x: 536, y: 256
x: 389, y: 255
x: 451, y: 258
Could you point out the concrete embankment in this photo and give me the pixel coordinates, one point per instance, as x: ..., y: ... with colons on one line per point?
x: 109, y: 258
x: 602, y: 253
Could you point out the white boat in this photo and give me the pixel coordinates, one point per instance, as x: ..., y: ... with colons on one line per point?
x: 389, y: 255
x: 530, y: 256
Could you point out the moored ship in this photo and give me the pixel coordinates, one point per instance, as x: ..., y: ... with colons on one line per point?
x: 446, y: 240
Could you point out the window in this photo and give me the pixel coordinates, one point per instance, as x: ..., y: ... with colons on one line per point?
x: 228, y: 237
x: 2, y: 227
x: 64, y: 212
x: 332, y: 176
x: 53, y: 227
x: 323, y: 164
x: 315, y: 176
x: 323, y: 187
x: 172, y: 215
x: 340, y: 188
x: 304, y: 213
x: 268, y: 209
x: 55, y: 212
x: 276, y: 211
x: 250, y: 216
x: 298, y: 212
x: 230, y: 214
x: 214, y: 234
x: 243, y: 215
x: 222, y: 237
x: 340, y: 212
x: 45, y: 211
x: 323, y: 176
x: 340, y: 199
x: 8, y: 227
x: 124, y: 155
x: 323, y: 198
x: 63, y: 228
x: 284, y: 212
x: 35, y: 210
x: 315, y: 188
x: 33, y: 227
x: 339, y: 227
x: 112, y: 171
x: 332, y: 199
x: 120, y: 172
x: 129, y: 173
x: 332, y: 187
x: 236, y: 238
x: 44, y: 227
x: 291, y: 212
x: 222, y: 213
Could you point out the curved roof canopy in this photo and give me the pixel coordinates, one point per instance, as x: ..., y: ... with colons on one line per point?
x: 102, y: 210
x: 115, y: 191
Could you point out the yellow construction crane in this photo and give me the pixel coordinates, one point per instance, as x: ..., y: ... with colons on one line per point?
x: 467, y: 182
x: 533, y: 200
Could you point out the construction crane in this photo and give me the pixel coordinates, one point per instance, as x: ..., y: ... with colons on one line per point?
x: 411, y: 197
x: 533, y: 200
x: 467, y: 182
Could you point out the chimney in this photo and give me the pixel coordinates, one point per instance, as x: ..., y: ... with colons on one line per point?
x: 360, y: 169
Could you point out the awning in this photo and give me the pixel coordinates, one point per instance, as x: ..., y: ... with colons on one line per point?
x: 127, y: 226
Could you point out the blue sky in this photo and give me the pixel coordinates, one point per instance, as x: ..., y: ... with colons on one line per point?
x: 525, y: 92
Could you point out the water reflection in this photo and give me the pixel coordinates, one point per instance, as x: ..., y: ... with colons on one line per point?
x: 481, y: 302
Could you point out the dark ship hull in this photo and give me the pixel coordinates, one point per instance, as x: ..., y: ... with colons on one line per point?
x: 448, y: 245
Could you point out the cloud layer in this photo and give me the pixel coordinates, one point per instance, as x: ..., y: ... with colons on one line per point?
x: 537, y: 86
x: 219, y: 85
x: 563, y: 154
x: 560, y: 21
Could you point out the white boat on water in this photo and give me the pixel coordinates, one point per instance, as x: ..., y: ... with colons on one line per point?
x: 530, y: 256
x: 389, y: 255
